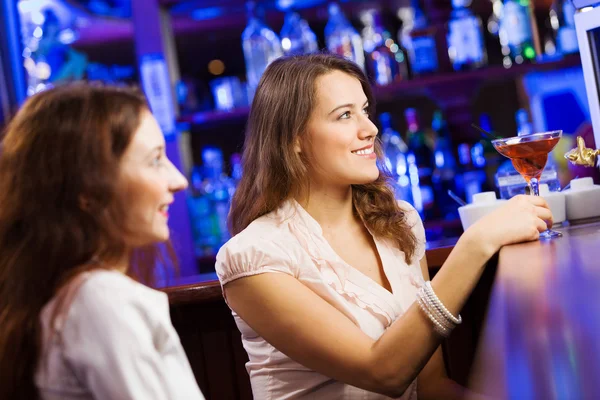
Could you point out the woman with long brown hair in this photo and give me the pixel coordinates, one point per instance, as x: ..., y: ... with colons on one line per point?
x: 327, y: 276
x: 85, y: 187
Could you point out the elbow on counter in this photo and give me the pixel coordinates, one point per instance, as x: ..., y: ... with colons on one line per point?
x: 388, y: 383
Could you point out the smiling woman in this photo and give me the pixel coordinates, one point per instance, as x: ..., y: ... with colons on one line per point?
x: 85, y: 187
x: 326, y: 276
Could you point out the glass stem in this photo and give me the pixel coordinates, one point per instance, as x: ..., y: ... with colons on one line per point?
x: 534, y: 185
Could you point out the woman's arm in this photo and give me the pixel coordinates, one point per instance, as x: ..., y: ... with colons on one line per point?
x: 312, y: 332
x: 433, y: 382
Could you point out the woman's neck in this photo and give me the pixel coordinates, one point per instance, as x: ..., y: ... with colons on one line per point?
x: 332, y: 208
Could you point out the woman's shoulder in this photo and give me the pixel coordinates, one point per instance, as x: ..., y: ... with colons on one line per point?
x: 106, y: 291
x: 270, y: 228
x: 265, y: 245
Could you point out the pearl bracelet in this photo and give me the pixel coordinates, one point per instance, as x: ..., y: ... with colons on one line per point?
x: 437, y: 326
x: 443, y: 321
x: 423, y: 296
x: 440, y: 306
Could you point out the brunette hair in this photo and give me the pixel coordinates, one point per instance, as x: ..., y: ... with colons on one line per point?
x: 274, y: 172
x: 59, y: 210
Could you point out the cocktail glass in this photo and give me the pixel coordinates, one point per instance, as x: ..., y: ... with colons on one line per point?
x: 529, y: 154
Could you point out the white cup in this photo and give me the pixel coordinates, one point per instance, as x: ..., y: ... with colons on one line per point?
x: 483, y: 204
x: 582, y: 199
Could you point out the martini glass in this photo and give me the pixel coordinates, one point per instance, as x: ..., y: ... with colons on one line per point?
x: 529, y: 154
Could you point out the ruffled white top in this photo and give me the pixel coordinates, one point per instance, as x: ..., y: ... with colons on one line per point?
x: 290, y: 241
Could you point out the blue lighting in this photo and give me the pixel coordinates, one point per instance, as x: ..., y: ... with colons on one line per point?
x: 202, y: 14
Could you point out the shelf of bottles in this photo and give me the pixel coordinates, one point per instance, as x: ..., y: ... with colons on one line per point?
x: 423, y: 162
x: 408, y: 63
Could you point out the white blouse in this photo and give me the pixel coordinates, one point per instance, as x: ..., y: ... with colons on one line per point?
x: 290, y: 241
x: 114, y: 341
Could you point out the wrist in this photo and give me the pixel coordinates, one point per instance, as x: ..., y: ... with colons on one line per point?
x: 478, y: 243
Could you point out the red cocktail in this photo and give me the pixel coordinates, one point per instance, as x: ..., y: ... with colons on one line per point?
x: 529, y: 154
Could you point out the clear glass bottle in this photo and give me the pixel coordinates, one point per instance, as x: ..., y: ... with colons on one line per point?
x: 421, y: 156
x: 466, y: 47
x: 261, y: 47
x: 341, y: 37
x: 384, y: 64
x: 296, y: 36
x: 516, y: 32
x: 562, y: 20
x: 395, y: 151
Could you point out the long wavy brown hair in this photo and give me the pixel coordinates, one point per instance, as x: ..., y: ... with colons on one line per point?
x: 59, y: 210
x: 274, y: 172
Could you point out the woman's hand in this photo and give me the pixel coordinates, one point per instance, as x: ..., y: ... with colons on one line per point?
x: 521, y: 219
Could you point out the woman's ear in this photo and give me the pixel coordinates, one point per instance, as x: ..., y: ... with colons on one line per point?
x: 297, y: 145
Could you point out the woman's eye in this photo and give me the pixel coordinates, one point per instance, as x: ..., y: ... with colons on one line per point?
x: 345, y: 115
x: 366, y: 111
x: 157, y: 161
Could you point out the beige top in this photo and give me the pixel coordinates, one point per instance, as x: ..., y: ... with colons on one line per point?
x: 290, y: 241
x: 114, y: 341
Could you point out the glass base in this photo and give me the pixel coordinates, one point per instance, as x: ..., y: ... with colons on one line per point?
x: 550, y: 234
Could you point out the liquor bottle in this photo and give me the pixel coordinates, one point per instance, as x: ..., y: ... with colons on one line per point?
x: 517, y: 32
x: 492, y: 158
x: 385, y: 61
x: 217, y: 186
x: 470, y: 177
x: 395, y: 152
x: 419, y: 40
x: 296, y: 36
x: 341, y: 37
x: 465, y: 38
x: 562, y: 20
x: 261, y: 47
x: 205, y: 236
x: 420, y: 156
x: 444, y: 172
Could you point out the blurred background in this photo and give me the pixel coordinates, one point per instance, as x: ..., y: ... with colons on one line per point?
x: 437, y: 66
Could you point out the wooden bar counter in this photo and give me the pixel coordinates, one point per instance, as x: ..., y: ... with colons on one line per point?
x: 540, y: 337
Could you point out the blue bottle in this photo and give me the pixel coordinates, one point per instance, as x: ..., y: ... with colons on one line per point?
x: 465, y: 38
x: 419, y: 41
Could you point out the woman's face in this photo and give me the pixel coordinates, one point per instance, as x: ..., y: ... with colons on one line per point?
x: 339, y: 142
x: 148, y: 182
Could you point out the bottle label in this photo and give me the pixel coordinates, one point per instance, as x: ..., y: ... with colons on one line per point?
x: 516, y: 24
x: 424, y: 55
x: 567, y: 40
x: 465, y: 41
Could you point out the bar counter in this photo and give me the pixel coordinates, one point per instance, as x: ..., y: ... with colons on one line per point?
x: 540, y: 337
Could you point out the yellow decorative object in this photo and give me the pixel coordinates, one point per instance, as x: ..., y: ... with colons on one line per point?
x: 581, y: 155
